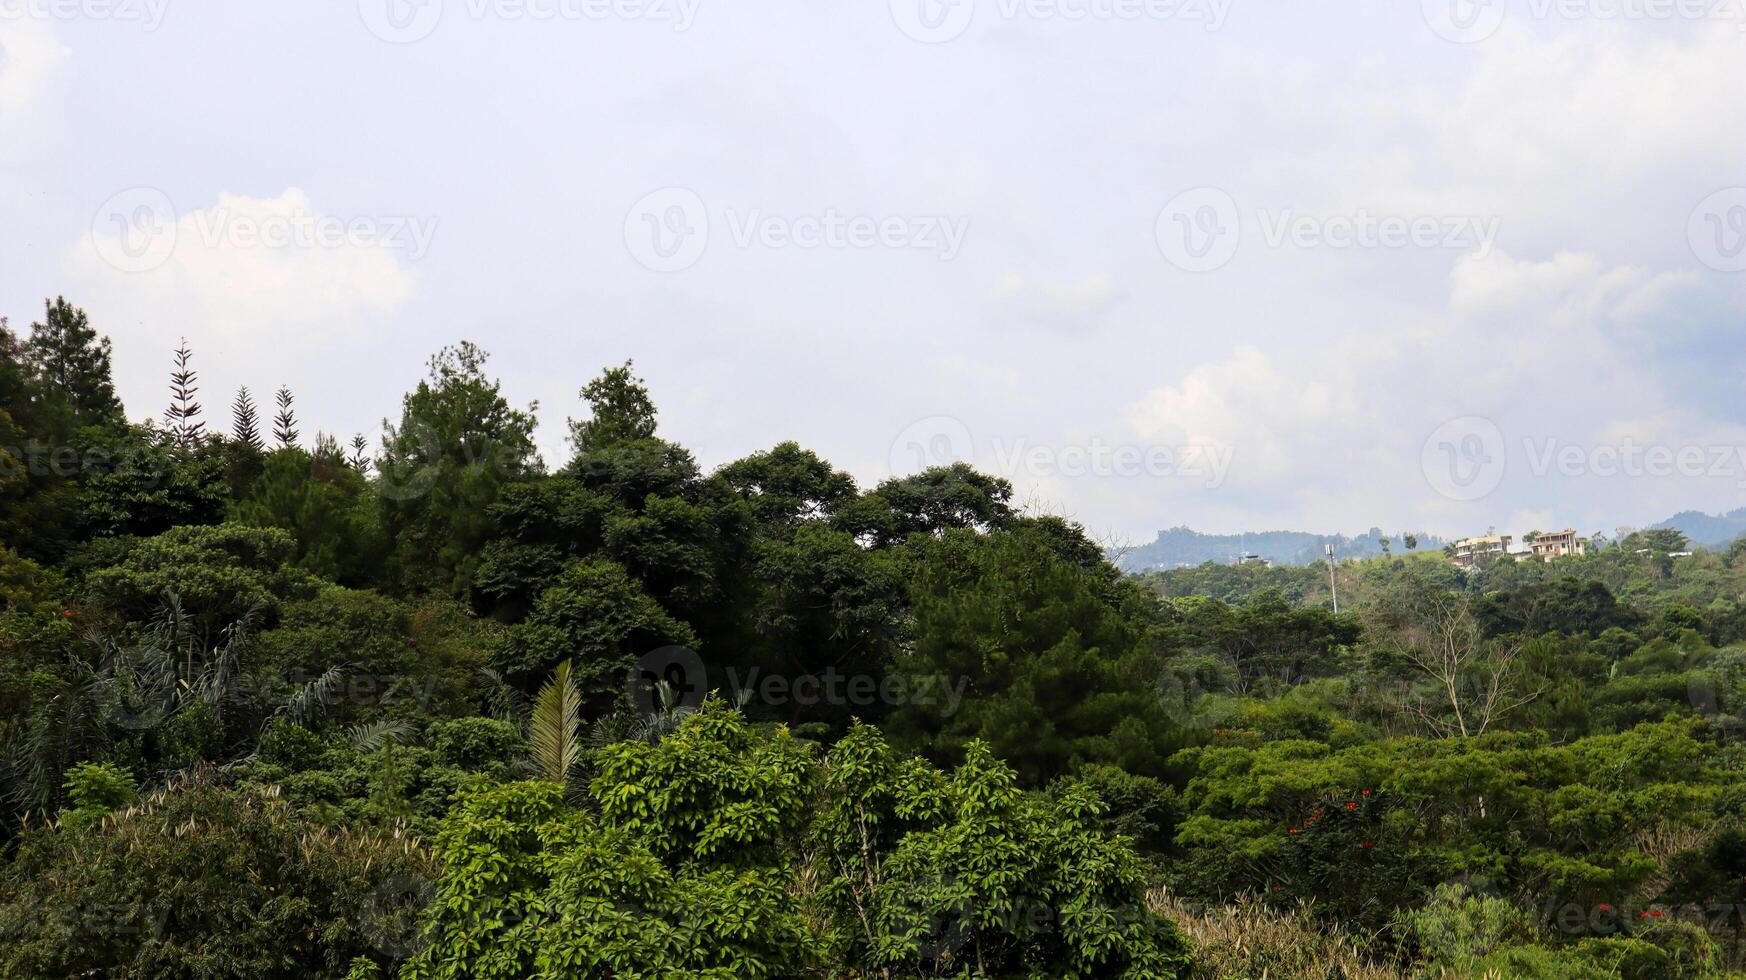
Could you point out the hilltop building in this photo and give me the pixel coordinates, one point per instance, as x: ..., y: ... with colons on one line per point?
x: 1470, y: 550
x: 1557, y: 544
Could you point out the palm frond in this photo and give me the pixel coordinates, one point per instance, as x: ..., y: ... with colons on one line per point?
x: 506, y: 703
x: 554, y: 730
x: 309, y: 699
x: 370, y: 737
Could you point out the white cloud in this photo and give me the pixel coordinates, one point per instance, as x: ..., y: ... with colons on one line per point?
x: 30, y: 56
x: 254, y: 267
x: 255, y: 278
x: 1332, y: 436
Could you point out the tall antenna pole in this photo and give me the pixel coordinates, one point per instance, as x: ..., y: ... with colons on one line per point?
x: 1333, y: 586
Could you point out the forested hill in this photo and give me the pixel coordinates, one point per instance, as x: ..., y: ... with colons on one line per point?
x: 1181, y: 546
x: 431, y: 707
x: 1709, y: 531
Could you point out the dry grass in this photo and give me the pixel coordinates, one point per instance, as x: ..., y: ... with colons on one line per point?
x: 1249, y: 941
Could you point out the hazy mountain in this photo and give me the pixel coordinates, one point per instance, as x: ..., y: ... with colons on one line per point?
x: 1183, y: 546
x: 1709, y: 531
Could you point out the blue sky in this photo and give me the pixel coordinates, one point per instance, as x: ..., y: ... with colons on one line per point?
x: 1440, y: 272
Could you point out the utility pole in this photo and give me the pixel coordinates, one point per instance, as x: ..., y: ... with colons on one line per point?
x: 1333, y: 586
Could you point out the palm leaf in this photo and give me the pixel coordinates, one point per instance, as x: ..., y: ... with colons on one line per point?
x: 554, y: 731
x: 370, y: 737
x: 309, y: 699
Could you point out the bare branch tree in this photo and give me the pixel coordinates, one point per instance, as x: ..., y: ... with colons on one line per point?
x: 1473, y: 682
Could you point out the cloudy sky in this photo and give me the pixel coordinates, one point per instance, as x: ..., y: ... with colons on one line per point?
x: 1241, y: 266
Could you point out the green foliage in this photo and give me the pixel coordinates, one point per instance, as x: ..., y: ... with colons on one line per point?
x: 622, y: 411
x: 1266, y: 641
x: 597, y: 612
x: 554, y: 731
x: 935, y: 500
x: 697, y: 861
x: 1372, y: 828
x: 95, y: 790
x: 1458, y: 925
x: 788, y: 486
x: 458, y: 444
x: 201, y: 881
x: 1005, y: 884
x: 1219, y: 731
x: 219, y: 575
x: 328, y: 509
x: 139, y: 482
x: 1055, y: 662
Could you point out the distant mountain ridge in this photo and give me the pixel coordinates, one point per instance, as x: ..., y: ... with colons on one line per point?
x: 1183, y: 546
x: 1708, y: 531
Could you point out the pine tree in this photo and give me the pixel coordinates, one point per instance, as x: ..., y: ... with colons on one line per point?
x: 359, y: 461
x: 245, y: 421
x: 285, y: 423
x: 182, y: 418
x: 69, y: 359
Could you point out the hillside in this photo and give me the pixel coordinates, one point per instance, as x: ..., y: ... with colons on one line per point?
x: 1706, y: 530
x: 1181, y: 546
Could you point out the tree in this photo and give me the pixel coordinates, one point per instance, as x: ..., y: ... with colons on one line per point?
x: 1266, y: 638
x: 327, y: 508
x: 721, y: 851
x: 1658, y: 541
x: 1473, y: 681
x: 930, y: 502
x: 203, y: 881
x: 217, y: 575
x: 1050, y: 663
x: 245, y: 421
x: 182, y: 418
x: 285, y: 423
x: 73, y: 364
x: 457, y: 446
x: 597, y: 613
x: 788, y: 485
x: 141, y: 483
x: 622, y: 411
